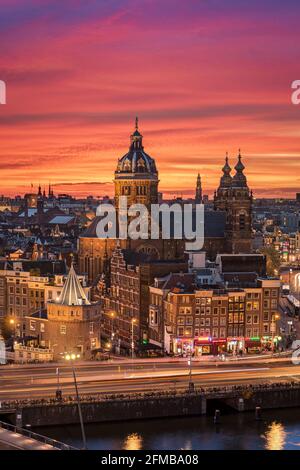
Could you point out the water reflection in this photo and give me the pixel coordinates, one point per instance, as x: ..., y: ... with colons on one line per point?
x: 237, y: 432
x: 133, y: 441
x: 275, y: 436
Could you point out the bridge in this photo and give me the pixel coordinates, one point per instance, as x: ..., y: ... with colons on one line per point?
x: 15, y: 438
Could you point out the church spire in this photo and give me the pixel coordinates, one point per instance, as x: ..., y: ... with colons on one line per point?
x: 198, y: 194
x: 73, y: 293
x: 226, y: 179
x: 136, y: 139
x: 239, y: 179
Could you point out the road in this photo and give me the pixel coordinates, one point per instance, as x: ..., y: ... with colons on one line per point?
x: 105, y: 378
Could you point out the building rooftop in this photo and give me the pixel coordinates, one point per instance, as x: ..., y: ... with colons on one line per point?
x: 72, y: 292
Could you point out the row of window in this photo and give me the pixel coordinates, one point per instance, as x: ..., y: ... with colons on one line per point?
x: 214, y: 332
x: 267, y: 293
x: 24, y: 303
x: 140, y: 190
x: 253, y: 306
x: 201, y: 321
x: 270, y: 303
x: 24, y: 291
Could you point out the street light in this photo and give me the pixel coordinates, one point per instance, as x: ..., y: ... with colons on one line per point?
x: 190, y: 353
x: 191, y: 384
x: 12, y: 323
x: 112, y: 316
x: 273, y: 322
x: 71, y: 358
x: 133, y: 321
x: 108, y: 348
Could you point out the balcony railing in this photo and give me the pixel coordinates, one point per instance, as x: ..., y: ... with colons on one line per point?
x: 37, y: 437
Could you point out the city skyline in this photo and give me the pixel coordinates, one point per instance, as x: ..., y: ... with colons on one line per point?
x: 203, y: 81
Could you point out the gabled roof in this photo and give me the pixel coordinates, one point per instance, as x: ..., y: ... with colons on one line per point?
x: 73, y: 293
x: 179, y: 282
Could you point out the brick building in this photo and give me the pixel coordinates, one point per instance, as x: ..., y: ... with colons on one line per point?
x: 70, y: 323
x: 26, y: 287
x: 212, y: 319
x: 227, y: 228
x: 126, y: 296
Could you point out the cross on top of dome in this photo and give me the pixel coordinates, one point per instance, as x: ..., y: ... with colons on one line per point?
x: 136, y: 160
x: 136, y: 137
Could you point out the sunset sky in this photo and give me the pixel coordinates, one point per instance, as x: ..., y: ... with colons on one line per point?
x: 204, y: 77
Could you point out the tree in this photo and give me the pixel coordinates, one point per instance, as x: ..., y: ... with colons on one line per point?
x: 273, y: 260
x: 6, y: 330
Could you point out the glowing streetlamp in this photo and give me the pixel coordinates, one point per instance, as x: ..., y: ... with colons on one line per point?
x: 71, y: 358
x: 275, y: 318
x: 12, y: 323
x: 190, y: 353
x: 133, y: 321
x: 112, y: 316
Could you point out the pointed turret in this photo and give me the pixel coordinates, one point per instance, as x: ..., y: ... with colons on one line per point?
x: 40, y: 205
x: 226, y: 179
x: 73, y: 293
x: 136, y: 139
x: 198, y: 194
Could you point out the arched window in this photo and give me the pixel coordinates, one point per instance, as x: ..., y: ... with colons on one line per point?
x: 127, y: 166
x: 141, y: 165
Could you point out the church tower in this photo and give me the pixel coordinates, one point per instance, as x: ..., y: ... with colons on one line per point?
x: 198, y: 194
x: 234, y: 197
x: 136, y: 175
x: 40, y: 205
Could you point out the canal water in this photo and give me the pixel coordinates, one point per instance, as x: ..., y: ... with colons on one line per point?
x: 278, y: 429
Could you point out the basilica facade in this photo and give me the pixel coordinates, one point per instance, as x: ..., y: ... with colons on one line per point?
x: 227, y: 227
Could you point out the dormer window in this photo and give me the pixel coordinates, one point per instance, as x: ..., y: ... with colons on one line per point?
x: 141, y: 165
x: 127, y: 165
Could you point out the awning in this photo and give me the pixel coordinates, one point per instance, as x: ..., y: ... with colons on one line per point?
x: 149, y: 347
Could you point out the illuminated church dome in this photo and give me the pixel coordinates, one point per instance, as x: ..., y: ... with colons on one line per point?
x: 136, y: 160
x: 136, y: 176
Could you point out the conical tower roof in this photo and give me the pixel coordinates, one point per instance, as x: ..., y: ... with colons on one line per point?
x: 73, y: 293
